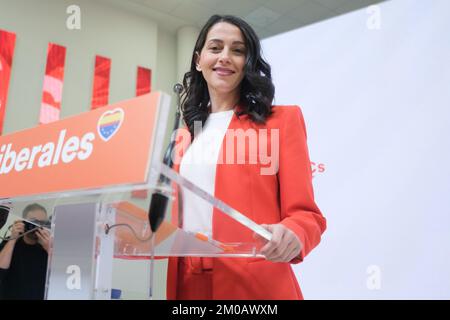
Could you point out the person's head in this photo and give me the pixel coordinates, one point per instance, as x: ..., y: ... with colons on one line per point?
x: 227, y: 60
x: 37, y: 213
x: 34, y: 211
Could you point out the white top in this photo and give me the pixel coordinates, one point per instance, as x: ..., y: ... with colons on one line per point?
x: 199, y: 166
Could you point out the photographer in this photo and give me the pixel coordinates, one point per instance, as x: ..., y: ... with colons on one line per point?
x: 23, y: 260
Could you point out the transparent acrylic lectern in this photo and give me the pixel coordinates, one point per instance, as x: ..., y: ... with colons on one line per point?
x: 92, y: 228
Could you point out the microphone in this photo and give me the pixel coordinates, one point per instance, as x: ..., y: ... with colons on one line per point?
x: 159, y: 201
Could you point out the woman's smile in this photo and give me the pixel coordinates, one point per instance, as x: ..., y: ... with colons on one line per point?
x: 223, y: 71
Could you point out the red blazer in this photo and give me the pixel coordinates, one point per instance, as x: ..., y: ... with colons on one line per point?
x: 286, y: 197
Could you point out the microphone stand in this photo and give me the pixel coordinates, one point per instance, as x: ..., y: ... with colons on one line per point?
x: 159, y: 201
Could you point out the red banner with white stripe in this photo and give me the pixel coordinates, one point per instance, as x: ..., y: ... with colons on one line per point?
x: 53, y: 84
x: 144, y: 81
x: 100, y: 92
x: 7, y: 44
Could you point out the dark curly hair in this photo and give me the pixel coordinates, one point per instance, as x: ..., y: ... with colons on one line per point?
x: 256, y: 89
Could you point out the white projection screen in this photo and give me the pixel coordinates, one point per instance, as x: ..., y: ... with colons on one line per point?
x: 374, y: 88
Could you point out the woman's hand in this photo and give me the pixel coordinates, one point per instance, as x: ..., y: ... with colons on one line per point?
x: 284, y: 245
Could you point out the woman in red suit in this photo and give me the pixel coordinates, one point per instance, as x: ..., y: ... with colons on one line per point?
x: 229, y: 88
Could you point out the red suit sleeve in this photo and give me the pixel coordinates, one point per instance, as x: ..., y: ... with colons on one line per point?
x: 299, y: 211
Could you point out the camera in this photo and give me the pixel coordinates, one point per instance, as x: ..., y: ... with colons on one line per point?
x: 35, y: 224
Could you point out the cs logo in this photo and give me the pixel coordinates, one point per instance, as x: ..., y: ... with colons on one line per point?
x: 317, y: 168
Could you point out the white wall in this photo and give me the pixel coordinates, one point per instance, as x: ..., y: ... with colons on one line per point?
x: 377, y: 107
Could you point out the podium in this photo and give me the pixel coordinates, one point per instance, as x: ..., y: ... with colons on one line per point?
x: 87, y: 181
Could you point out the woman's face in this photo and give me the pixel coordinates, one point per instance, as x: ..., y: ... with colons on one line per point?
x: 222, y: 58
